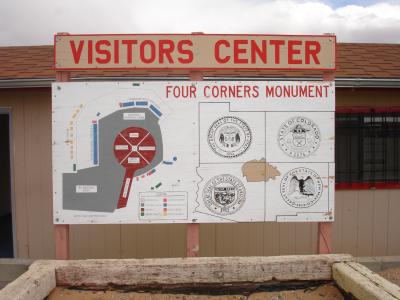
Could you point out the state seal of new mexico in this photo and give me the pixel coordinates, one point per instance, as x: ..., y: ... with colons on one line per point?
x: 301, y: 187
x: 299, y: 137
x: 229, y: 136
x: 224, y: 194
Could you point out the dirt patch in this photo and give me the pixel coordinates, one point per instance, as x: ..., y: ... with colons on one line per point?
x: 326, y: 292
x: 392, y: 274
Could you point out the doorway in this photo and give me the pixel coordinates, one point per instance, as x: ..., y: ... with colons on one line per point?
x: 6, y: 215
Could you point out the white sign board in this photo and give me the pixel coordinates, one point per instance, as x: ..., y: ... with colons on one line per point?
x: 183, y: 152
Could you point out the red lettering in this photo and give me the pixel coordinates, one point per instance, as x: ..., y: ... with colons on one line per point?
x: 76, y: 53
x: 256, y: 51
x: 326, y: 90
x: 207, y: 87
x: 181, y: 91
x: 168, y: 90
x: 232, y: 91
x: 318, y: 91
x: 217, y: 55
x: 239, y: 91
x: 90, y: 52
x: 292, y: 52
x: 247, y: 90
x: 277, y: 45
x: 255, y: 91
x: 269, y: 91
x: 152, y: 57
x: 238, y: 51
x: 223, y: 91
x: 303, y: 91
x: 312, y: 50
x: 166, y: 48
x: 106, y: 53
x: 193, y: 91
x: 129, y: 50
x: 116, y: 51
x: 187, y: 52
x: 311, y: 91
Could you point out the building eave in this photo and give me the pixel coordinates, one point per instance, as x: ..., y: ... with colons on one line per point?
x: 340, y: 82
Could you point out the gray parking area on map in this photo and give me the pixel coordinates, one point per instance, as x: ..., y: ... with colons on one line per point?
x: 109, y: 174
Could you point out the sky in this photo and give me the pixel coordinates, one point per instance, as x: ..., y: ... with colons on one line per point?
x: 33, y: 22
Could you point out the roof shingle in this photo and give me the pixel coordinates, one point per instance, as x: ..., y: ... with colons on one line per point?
x: 353, y: 60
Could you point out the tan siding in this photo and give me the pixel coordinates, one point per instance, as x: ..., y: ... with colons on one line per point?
x: 271, y: 238
x: 20, y: 203
x: 240, y: 239
x: 79, y: 241
x: 256, y: 243
x: 338, y: 224
x: 393, y: 223
x: 224, y: 240
x: 367, y: 222
x: 287, y: 238
x: 207, y: 239
x: 128, y: 241
x: 349, y: 225
x: 160, y: 241
x: 31, y: 143
x: 177, y: 240
x: 304, y: 242
x: 379, y: 235
x: 367, y: 97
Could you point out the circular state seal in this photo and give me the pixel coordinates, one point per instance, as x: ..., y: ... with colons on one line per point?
x: 299, y: 137
x: 224, y: 194
x: 229, y: 137
x: 301, y: 187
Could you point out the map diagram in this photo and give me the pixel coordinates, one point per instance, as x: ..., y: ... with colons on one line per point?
x: 129, y: 152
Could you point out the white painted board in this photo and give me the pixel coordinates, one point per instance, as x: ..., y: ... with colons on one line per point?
x: 183, y: 152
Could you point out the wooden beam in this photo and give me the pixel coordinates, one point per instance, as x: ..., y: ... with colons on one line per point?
x: 325, y: 229
x: 61, y: 232
x: 324, y: 240
x: 193, y: 229
x: 199, y: 270
x: 362, y: 283
x: 35, y: 284
x: 61, y: 235
x: 192, y: 240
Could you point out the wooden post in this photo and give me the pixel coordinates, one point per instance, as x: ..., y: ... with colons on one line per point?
x: 325, y: 229
x: 61, y: 232
x: 193, y: 230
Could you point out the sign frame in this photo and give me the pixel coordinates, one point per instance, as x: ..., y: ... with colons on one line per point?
x: 331, y: 39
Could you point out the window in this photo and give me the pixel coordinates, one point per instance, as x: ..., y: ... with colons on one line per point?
x: 368, y: 148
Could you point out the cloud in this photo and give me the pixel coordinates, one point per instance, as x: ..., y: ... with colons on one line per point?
x: 35, y: 22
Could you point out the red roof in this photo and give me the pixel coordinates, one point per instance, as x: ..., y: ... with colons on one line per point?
x: 354, y: 61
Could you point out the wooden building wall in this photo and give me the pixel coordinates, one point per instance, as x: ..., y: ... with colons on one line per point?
x: 366, y: 224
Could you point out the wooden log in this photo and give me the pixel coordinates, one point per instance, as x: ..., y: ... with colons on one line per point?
x: 362, y: 283
x: 35, y: 284
x: 147, y: 272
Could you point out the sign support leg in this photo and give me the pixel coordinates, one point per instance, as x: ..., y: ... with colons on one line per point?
x: 193, y: 230
x: 324, y: 240
x: 61, y: 232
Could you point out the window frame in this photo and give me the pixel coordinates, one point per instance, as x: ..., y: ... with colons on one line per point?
x: 367, y: 185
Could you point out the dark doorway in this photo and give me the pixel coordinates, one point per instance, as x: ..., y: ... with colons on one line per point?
x: 6, y: 227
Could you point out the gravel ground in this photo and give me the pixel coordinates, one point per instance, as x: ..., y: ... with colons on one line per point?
x: 392, y: 274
